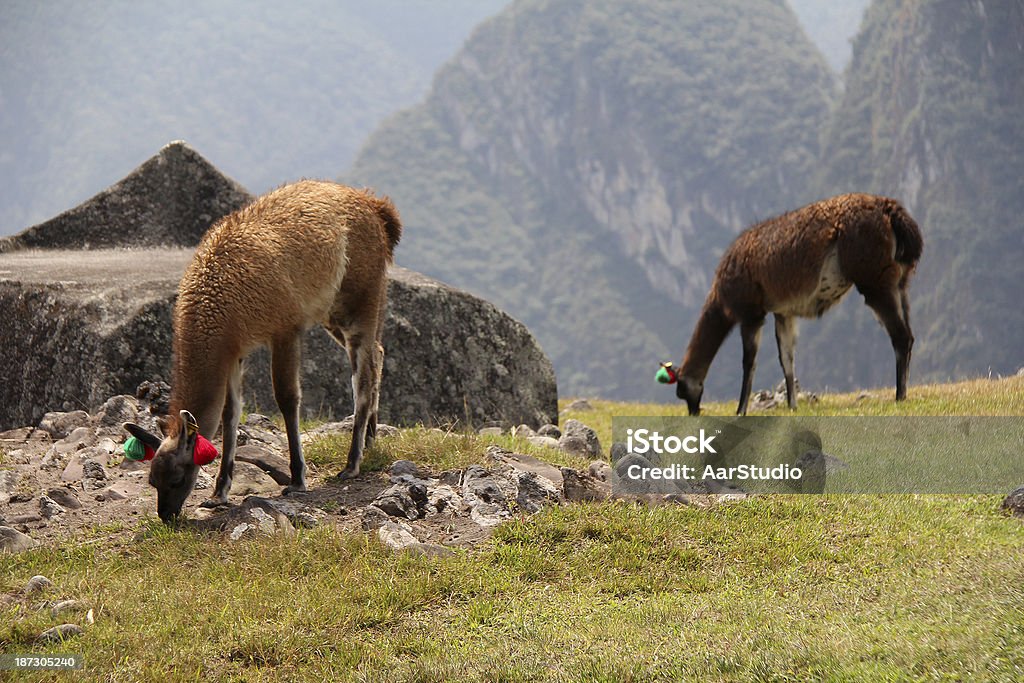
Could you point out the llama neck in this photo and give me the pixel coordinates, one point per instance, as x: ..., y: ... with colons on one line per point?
x: 199, y: 383
x: 712, y: 328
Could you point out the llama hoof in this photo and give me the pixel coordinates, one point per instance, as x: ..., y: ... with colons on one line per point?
x: 348, y: 473
x: 214, y: 503
x: 293, y: 488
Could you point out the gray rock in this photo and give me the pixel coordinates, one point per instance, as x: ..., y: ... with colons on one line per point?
x: 249, y: 479
x: 50, y: 508
x: 59, y: 425
x: 550, y: 430
x: 1014, y: 503
x: 65, y: 497
x: 580, y: 487
x: 13, y: 541
x: 404, y: 468
x: 402, y: 500
x: 579, y: 439
x: 75, y: 468
x: 204, y: 480
x: 37, y: 584
x: 117, y: 410
x: 522, y: 463
x: 397, y: 536
x: 255, y: 517
x: 535, y: 492
x: 94, y: 475
x: 60, y: 633
x: 373, y: 518
x: 171, y: 199
x: 276, y: 466
x: 490, y: 431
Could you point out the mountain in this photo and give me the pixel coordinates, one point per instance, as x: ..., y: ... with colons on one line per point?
x: 932, y: 114
x: 270, y: 91
x: 584, y: 164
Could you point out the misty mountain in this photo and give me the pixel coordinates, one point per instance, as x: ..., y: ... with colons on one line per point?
x: 584, y: 164
x: 268, y: 91
x: 932, y: 114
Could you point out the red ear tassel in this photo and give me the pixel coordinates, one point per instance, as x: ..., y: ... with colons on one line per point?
x: 204, y: 452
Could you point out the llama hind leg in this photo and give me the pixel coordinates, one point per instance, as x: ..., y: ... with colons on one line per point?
x: 366, y: 357
x: 785, y: 338
x: 893, y: 310
x: 285, y: 360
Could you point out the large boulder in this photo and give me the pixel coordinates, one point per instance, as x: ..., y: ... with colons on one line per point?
x: 83, y: 325
x: 170, y: 200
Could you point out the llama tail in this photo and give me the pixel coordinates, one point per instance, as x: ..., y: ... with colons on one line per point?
x: 908, y: 237
x: 392, y: 222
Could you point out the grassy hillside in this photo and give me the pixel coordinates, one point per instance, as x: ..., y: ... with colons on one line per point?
x: 770, y: 588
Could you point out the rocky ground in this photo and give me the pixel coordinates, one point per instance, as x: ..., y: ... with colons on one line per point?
x: 67, y: 479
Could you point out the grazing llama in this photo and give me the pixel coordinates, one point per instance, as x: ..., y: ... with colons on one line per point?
x: 307, y: 253
x: 799, y: 265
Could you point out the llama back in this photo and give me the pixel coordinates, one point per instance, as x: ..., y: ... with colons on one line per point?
x: 279, y: 261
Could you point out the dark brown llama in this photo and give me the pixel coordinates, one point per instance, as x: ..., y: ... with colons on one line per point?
x: 799, y: 265
x: 307, y: 253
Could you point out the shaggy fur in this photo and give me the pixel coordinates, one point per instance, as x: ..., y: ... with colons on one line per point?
x: 307, y: 253
x: 801, y: 264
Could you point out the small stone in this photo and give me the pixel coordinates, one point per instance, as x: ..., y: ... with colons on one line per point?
x: 523, y: 431
x: 250, y: 479
x: 66, y: 606
x: 543, y: 441
x: 94, y: 475
x: 37, y: 584
x: 404, y: 468
x: 395, y: 536
x: 550, y: 430
x: 490, y: 431
x: 396, y: 501
x: 578, y: 405
x: 60, y: 633
x: 579, y: 439
x: 65, y: 497
x: 600, y: 470
x: 50, y: 508
x: 13, y: 541
x: 373, y: 518
x: 580, y: 487
x: 1014, y: 503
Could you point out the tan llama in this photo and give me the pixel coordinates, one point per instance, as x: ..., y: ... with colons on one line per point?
x: 799, y: 265
x: 308, y: 253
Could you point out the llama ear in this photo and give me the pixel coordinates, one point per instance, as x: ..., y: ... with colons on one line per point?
x: 190, y: 422
x: 151, y: 440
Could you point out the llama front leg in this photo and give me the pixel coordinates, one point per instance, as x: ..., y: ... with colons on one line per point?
x: 286, y: 356
x: 785, y: 338
x: 230, y: 415
x: 750, y: 333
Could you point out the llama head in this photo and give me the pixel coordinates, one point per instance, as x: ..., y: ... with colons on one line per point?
x: 173, y: 470
x: 690, y: 390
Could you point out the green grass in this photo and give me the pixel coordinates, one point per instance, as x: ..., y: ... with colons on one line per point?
x: 774, y: 588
